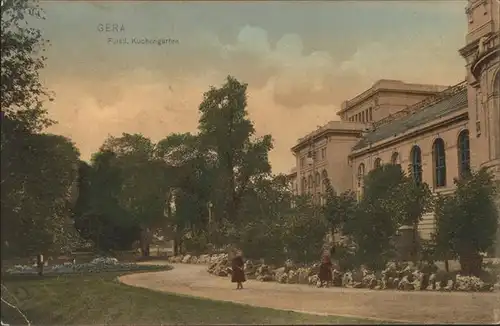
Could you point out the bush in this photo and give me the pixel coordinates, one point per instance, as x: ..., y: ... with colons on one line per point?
x: 196, y: 245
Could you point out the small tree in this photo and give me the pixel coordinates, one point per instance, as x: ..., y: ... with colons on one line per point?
x: 304, y: 231
x: 375, y: 221
x: 467, y: 220
x: 338, y: 208
x: 411, y: 200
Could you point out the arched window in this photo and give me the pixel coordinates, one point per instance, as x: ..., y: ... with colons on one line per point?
x: 361, y: 174
x: 317, y: 180
x: 378, y: 163
x: 395, y: 158
x: 463, y: 153
x: 416, y: 163
x: 310, y: 181
x: 324, y: 179
x: 439, y: 157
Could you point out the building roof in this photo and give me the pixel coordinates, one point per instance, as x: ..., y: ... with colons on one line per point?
x: 413, y: 118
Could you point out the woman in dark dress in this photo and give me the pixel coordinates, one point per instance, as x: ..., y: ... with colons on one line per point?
x: 238, y: 275
x: 325, y: 270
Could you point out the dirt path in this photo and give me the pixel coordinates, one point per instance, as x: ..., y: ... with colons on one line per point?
x: 422, y: 307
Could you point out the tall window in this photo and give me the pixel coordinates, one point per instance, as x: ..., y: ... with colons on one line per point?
x: 439, y: 157
x: 303, y: 185
x: 416, y: 163
x: 317, y: 180
x: 395, y: 158
x: 310, y: 182
x: 370, y: 114
x: 378, y: 163
x: 463, y: 153
x: 361, y: 174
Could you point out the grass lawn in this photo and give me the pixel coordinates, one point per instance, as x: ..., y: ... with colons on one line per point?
x: 100, y: 299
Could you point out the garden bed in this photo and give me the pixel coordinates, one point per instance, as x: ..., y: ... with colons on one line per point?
x: 396, y: 276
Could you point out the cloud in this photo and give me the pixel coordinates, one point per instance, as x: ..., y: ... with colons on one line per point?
x: 291, y: 90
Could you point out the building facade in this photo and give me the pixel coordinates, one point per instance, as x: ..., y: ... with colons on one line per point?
x: 435, y: 132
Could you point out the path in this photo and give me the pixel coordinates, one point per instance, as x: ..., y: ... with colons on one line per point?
x: 422, y: 307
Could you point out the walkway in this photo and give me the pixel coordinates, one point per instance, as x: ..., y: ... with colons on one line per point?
x: 422, y: 307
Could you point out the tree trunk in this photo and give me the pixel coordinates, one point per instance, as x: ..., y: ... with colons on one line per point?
x: 470, y: 263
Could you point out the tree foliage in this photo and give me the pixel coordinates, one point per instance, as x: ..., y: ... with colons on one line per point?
x: 38, y: 176
x: 467, y: 220
x: 228, y: 135
x: 22, y: 59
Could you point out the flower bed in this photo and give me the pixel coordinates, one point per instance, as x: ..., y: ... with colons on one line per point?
x: 403, y: 277
x: 97, y: 265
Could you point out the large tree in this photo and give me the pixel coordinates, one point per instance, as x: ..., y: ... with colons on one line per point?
x: 21, y: 60
x: 189, y: 178
x: 228, y: 135
x: 467, y: 220
x: 38, y: 178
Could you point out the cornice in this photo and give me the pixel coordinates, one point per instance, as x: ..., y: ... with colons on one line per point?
x: 324, y: 134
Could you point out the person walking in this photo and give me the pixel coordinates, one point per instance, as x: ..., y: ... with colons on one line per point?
x: 325, y: 270
x: 238, y: 274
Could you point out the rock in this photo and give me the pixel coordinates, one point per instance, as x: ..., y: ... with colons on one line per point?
x: 337, y: 278
x: 221, y: 272
x: 280, y: 270
x: 369, y: 281
x: 314, y: 279
x: 193, y: 260
x: 347, y: 279
x: 186, y: 259
x: 405, y: 284
x: 265, y: 278
x: 357, y: 285
x: 204, y: 259
x: 281, y: 277
x: 303, y: 275
x: 293, y: 277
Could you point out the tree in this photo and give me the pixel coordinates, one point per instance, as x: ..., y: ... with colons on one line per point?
x: 304, y: 231
x: 98, y: 215
x: 190, y: 178
x: 375, y: 221
x: 228, y: 136
x: 38, y: 178
x: 411, y: 200
x: 265, y: 206
x: 22, y: 46
x: 467, y: 220
x: 338, y: 208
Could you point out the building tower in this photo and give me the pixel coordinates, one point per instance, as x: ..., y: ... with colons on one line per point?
x: 481, y: 54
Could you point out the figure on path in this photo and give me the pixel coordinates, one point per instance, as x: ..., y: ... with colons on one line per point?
x: 238, y: 275
x: 325, y: 270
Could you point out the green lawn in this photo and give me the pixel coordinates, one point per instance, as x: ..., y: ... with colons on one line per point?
x: 100, y: 299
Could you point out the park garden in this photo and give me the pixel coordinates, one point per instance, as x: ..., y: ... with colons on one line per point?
x: 208, y: 191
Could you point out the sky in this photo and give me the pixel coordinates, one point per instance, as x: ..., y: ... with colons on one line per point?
x: 300, y: 60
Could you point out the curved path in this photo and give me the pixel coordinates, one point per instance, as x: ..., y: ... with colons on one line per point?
x: 421, y: 307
